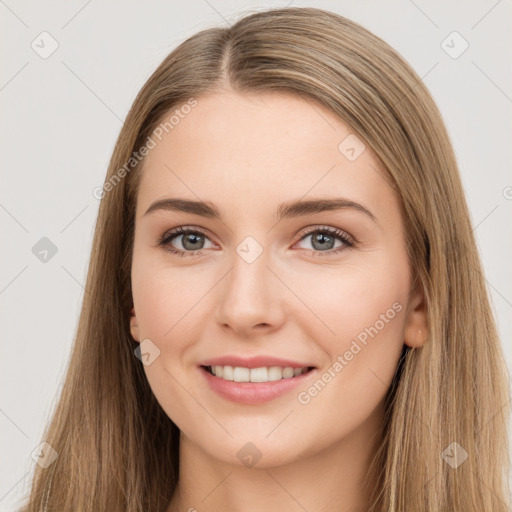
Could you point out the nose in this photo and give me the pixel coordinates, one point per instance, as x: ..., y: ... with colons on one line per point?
x: 251, y: 298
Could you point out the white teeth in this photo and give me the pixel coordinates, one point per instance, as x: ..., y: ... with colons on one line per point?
x: 263, y: 374
x: 275, y: 373
x: 227, y: 373
x: 241, y: 374
x: 259, y: 375
x: 287, y: 373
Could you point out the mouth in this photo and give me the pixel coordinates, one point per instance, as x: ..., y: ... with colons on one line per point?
x: 253, y: 386
x: 256, y: 375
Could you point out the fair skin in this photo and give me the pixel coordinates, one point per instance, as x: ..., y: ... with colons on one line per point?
x: 247, y: 154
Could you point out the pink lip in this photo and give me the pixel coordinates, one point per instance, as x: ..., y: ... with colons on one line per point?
x: 253, y: 362
x: 253, y: 392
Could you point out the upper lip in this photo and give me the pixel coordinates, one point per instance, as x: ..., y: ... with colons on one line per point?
x: 253, y: 362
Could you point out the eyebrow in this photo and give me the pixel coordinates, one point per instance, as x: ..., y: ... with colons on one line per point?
x: 286, y: 210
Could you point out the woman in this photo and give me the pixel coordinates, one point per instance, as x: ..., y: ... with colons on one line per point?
x: 285, y: 306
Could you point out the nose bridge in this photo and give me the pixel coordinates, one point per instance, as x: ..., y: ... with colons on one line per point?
x: 249, y: 276
x: 248, y: 296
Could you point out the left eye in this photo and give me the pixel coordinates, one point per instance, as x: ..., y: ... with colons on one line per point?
x: 323, y: 240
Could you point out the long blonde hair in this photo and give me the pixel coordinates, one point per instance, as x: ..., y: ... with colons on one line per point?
x: 118, y: 450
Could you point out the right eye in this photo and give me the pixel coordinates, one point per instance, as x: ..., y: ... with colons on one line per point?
x: 191, y: 241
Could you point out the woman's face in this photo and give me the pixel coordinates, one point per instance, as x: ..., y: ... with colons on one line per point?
x: 278, y: 274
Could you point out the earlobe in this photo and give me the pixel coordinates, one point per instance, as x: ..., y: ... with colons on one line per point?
x: 416, y: 340
x: 134, y: 326
x: 416, y: 325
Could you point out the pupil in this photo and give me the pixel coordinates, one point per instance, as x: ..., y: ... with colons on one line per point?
x: 321, y: 238
x: 194, y: 238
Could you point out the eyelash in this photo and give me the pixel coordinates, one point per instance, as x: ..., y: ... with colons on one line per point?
x: 168, y: 236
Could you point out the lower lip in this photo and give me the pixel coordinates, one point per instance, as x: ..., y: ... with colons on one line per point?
x: 253, y: 392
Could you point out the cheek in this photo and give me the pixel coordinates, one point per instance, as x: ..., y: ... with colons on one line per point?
x: 167, y: 305
x: 350, y: 300
x: 367, y: 316
x: 167, y: 301
x: 155, y: 306
x: 360, y: 313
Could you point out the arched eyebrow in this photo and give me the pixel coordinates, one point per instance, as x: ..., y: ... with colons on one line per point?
x: 291, y: 209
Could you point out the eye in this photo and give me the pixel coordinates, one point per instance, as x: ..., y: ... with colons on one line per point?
x: 323, y: 240
x: 192, y: 241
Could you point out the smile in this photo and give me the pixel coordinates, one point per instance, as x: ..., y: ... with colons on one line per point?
x: 263, y: 374
x: 254, y: 385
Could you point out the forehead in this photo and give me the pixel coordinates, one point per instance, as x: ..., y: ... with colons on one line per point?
x: 257, y: 149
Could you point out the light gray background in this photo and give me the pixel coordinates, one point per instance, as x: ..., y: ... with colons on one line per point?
x: 61, y: 116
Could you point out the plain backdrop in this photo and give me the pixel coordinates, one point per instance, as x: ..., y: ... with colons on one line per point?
x: 61, y: 114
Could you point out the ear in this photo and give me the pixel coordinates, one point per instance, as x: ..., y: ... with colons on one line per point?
x: 134, y: 326
x: 416, y: 325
